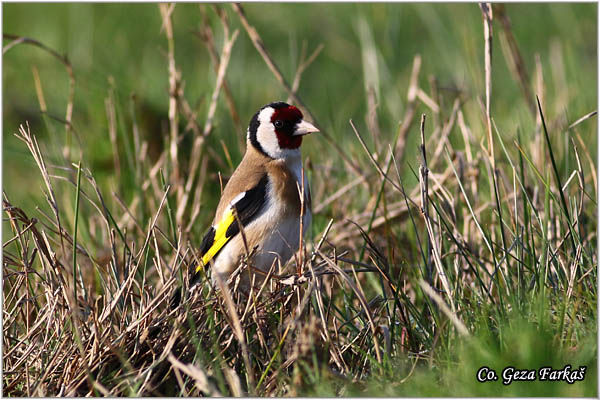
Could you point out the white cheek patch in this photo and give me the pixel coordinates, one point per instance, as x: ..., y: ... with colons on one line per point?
x: 267, y: 138
x: 265, y: 133
x: 265, y: 115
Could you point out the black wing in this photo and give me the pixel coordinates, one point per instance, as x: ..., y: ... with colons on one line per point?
x: 248, y: 208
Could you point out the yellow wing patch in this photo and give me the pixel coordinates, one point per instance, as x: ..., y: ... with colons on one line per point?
x: 220, y: 238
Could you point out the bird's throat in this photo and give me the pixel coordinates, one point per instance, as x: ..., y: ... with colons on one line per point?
x: 287, y: 141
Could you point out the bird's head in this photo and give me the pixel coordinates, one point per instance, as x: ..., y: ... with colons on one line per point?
x: 276, y: 130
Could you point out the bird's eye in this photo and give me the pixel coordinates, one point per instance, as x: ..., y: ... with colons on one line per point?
x: 278, y: 124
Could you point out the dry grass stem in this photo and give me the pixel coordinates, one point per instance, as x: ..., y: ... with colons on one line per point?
x: 442, y: 233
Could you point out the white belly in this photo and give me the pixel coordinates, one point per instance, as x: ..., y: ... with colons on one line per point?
x: 281, y: 244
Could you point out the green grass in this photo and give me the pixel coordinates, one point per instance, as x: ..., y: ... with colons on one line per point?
x: 517, y: 254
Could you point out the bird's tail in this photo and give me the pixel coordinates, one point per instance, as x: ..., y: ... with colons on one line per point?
x: 195, y: 273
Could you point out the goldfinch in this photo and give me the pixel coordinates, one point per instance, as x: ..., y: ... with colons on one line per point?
x: 265, y: 191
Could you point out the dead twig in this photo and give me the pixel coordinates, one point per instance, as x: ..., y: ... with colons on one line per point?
x: 166, y: 10
x: 516, y: 63
x: 260, y: 47
x: 65, y: 61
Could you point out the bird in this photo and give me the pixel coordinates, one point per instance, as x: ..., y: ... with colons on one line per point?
x: 264, y: 195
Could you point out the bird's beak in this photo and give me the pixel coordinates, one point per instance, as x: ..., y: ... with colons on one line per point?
x: 304, y: 128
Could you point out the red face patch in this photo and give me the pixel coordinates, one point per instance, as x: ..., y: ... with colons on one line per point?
x: 287, y: 141
x: 289, y: 113
x: 284, y: 121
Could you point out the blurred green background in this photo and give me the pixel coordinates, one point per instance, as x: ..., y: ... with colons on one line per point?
x: 120, y: 50
x: 124, y: 44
